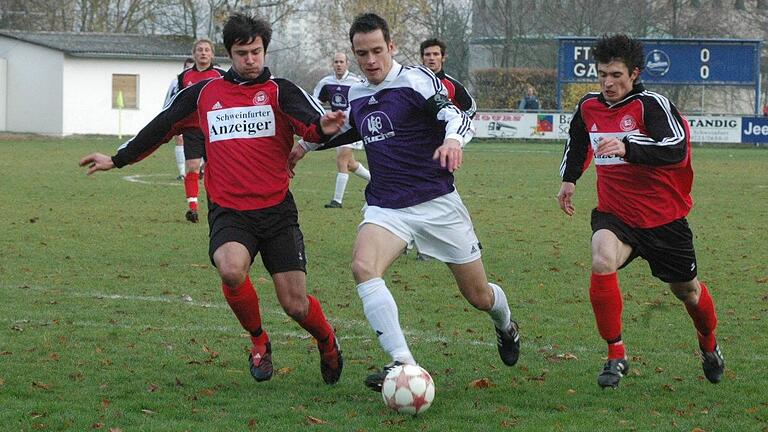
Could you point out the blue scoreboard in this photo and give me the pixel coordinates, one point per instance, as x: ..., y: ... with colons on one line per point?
x: 672, y: 61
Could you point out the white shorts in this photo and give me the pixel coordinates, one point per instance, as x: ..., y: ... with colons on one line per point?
x: 440, y: 228
x: 358, y: 145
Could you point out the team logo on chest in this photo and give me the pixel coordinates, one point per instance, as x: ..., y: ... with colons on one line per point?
x: 260, y: 98
x: 339, y: 100
x: 376, y: 126
x: 628, y: 123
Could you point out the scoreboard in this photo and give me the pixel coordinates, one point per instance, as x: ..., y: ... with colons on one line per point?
x: 734, y: 62
x: 672, y: 61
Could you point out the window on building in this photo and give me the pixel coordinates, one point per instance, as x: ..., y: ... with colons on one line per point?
x: 127, y: 87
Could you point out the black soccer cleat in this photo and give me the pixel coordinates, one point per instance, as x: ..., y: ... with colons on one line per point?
x: 376, y: 381
x: 713, y: 364
x: 508, y: 343
x: 331, y: 363
x: 613, y: 371
x: 260, y: 362
x: 192, y: 216
x: 180, y: 177
x: 333, y: 204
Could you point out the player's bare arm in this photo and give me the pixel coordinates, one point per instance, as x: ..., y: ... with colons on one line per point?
x: 332, y: 122
x: 97, y: 162
x: 449, y: 154
x: 564, y: 197
x: 611, y: 147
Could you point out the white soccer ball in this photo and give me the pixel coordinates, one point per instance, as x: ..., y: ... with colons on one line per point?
x: 408, y: 389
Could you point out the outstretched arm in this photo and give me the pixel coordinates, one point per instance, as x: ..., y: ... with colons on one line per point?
x: 97, y: 162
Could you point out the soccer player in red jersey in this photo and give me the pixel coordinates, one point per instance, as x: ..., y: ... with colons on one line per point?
x: 642, y: 151
x: 248, y: 119
x: 193, y: 140
x: 433, y: 56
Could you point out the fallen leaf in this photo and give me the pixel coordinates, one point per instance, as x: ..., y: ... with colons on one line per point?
x: 481, y: 383
x: 115, y: 430
x: 668, y: 387
x: 97, y: 425
x: 284, y: 370
x: 152, y: 388
x: 697, y: 429
x: 41, y: 385
x: 105, y: 403
x: 315, y: 420
x: 148, y: 412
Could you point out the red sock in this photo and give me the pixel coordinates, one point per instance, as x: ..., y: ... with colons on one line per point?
x: 317, y: 325
x: 605, y: 296
x: 705, y: 319
x: 192, y: 189
x: 245, y: 304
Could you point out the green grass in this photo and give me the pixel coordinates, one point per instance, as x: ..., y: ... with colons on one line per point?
x: 97, y: 330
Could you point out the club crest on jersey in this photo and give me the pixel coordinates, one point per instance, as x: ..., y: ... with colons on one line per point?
x: 339, y: 100
x: 628, y: 123
x: 377, y: 126
x: 261, y: 98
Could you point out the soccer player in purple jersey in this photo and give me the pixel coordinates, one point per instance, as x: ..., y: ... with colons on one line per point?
x: 334, y: 90
x: 413, y: 138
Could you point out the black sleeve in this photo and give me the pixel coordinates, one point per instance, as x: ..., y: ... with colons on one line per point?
x: 463, y: 99
x: 348, y: 137
x: 177, y: 116
x: 666, y: 140
x: 302, y: 110
x: 577, y: 149
x: 323, y: 96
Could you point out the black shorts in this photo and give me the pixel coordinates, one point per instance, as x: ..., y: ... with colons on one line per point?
x: 194, y: 144
x: 667, y: 248
x: 273, y: 231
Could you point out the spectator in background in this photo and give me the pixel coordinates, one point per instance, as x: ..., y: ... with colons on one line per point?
x: 529, y: 102
x: 765, y: 110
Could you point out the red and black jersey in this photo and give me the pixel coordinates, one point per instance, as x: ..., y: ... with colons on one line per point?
x: 650, y: 186
x: 458, y: 94
x: 248, y: 127
x: 190, y: 76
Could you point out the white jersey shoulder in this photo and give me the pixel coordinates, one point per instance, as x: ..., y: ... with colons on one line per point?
x: 418, y: 78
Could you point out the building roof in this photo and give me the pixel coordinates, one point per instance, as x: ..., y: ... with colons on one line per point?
x: 109, y: 45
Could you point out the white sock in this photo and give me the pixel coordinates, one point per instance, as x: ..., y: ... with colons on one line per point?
x: 363, y: 172
x: 381, y: 310
x: 500, y: 313
x: 180, y: 160
x: 341, y: 186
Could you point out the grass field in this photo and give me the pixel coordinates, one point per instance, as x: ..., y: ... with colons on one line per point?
x: 112, y: 317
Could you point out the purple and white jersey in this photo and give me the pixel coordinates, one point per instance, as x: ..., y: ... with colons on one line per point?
x: 335, y: 91
x: 401, y: 121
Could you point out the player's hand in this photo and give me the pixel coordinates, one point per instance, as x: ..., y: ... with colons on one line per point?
x: 564, y: 197
x: 296, y: 154
x: 610, y: 147
x: 97, y: 162
x: 332, y: 122
x: 449, y: 154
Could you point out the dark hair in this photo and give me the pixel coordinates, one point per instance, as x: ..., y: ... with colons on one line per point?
x: 430, y: 43
x: 243, y: 29
x: 620, y: 47
x: 367, y: 23
x: 188, y: 60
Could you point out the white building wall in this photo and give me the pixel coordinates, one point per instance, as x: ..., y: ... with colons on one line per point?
x: 34, y: 87
x: 88, y: 94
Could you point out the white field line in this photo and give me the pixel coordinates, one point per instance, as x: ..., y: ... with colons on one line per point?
x: 140, y: 178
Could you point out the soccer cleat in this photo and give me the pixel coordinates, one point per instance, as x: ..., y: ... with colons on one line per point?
x: 333, y: 204
x: 508, y: 342
x: 713, y: 364
x: 260, y: 362
x: 375, y: 381
x: 331, y: 363
x: 180, y: 177
x: 192, y: 216
x: 613, y: 371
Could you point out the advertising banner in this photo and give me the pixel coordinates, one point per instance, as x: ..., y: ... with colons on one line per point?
x: 554, y: 126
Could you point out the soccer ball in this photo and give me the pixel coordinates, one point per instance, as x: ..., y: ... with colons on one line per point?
x: 408, y: 389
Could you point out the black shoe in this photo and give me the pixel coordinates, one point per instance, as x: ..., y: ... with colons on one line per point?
x: 180, y: 177
x: 375, y: 381
x: 333, y: 204
x: 192, y: 216
x: 331, y: 363
x: 613, y: 371
x: 508, y: 342
x: 713, y: 364
x: 260, y: 362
